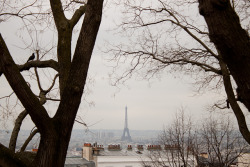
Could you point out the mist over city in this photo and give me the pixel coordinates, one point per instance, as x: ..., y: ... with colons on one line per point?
x: 98, y: 83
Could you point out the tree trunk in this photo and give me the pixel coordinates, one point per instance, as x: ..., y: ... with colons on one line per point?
x: 52, y: 149
x: 231, y: 40
x: 64, y: 55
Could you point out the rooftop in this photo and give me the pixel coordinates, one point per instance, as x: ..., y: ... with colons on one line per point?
x: 121, y: 153
x: 78, y: 162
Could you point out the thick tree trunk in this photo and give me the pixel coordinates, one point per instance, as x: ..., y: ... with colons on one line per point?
x: 52, y: 149
x: 231, y: 40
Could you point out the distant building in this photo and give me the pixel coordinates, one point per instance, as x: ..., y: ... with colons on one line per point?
x: 110, y: 134
x: 244, y: 160
x: 78, y: 162
x: 115, y: 156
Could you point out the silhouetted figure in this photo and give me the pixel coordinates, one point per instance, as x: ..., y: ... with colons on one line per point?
x: 32, y: 57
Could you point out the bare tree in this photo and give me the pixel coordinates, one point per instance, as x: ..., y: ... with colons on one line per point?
x: 170, y: 35
x: 179, y: 141
x: 213, y: 141
x: 222, y: 143
x: 71, y: 68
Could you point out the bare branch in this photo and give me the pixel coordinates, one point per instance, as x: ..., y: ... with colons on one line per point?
x: 77, y: 15
x: 21, y: 117
x: 7, y: 96
x: 167, y: 60
x: 80, y: 122
x: 53, y: 83
x: 38, y: 80
x: 39, y: 64
x: 28, y: 140
x: 223, y: 107
x: 22, y: 90
x: 46, y: 98
x: 178, y: 23
x: 16, y: 129
x: 22, y: 15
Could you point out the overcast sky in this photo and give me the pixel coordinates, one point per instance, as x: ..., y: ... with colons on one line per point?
x: 151, y: 104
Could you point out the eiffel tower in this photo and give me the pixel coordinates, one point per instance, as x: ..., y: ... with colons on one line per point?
x: 124, y: 136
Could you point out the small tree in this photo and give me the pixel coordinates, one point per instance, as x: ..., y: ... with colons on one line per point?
x: 179, y: 141
x: 72, y: 70
x: 222, y: 143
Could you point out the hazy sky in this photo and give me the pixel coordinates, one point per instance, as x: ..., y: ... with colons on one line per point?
x: 151, y: 104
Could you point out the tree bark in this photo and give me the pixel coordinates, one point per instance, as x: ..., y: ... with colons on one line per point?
x: 231, y: 40
x: 51, y: 150
x: 9, y: 158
